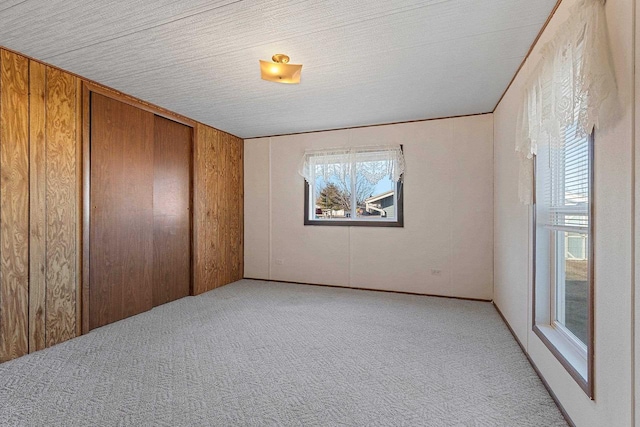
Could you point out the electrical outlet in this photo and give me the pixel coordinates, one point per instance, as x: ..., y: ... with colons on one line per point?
x: 436, y: 272
x: 279, y: 261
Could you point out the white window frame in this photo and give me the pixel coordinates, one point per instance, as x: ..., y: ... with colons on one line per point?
x: 573, y: 354
x: 557, y: 295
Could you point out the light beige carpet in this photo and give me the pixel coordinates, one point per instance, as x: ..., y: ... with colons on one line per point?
x: 260, y: 353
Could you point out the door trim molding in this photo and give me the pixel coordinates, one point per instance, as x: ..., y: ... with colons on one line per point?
x: 138, y: 103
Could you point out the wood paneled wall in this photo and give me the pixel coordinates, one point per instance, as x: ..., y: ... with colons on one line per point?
x: 39, y: 210
x: 14, y: 205
x: 218, y: 221
x: 55, y: 146
x: 41, y: 123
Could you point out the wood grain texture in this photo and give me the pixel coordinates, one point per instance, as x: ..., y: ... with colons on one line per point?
x: 199, y: 170
x: 14, y: 205
x: 37, y: 208
x: 61, y: 211
x: 240, y: 166
x: 86, y: 205
x: 221, y: 203
x: 171, y: 211
x: 232, y: 207
x: 218, y: 201
x: 79, y: 203
x: 237, y: 185
x: 121, y: 227
x: 204, y: 177
x: 138, y: 103
x: 44, y: 190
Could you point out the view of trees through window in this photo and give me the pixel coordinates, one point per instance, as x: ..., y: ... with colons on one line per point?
x: 342, y: 197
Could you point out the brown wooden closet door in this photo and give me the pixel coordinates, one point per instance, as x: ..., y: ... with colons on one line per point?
x: 121, y: 224
x: 171, y: 211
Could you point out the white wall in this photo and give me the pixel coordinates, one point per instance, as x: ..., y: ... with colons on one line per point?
x: 614, y: 399
x: 448, y: 213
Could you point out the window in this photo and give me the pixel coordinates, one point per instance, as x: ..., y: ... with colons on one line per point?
x: 564, y: 255
x: 359, y: 186
x: 569, y: 92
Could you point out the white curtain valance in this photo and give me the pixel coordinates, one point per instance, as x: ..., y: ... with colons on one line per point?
x: 572, y: 85
x: 372, y: 162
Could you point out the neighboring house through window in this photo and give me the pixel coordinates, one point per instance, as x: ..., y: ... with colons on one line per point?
x: 358, y: 186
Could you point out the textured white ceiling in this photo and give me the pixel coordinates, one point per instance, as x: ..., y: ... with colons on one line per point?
x: 365, y: 61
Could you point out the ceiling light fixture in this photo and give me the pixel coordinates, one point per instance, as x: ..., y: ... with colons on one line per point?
x: 280, y: 71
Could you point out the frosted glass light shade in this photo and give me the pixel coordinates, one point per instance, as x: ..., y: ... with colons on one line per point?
x: 280, y: 72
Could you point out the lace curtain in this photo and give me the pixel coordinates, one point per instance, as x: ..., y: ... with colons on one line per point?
x: 373, y: 163
x: 573, y: 84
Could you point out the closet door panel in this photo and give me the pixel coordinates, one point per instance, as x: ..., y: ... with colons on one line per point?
x: 121, y: 224
x: 171, y: 211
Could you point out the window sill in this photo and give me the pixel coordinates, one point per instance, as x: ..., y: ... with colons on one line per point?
x: 354, y: 223
x: 573, y: 360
